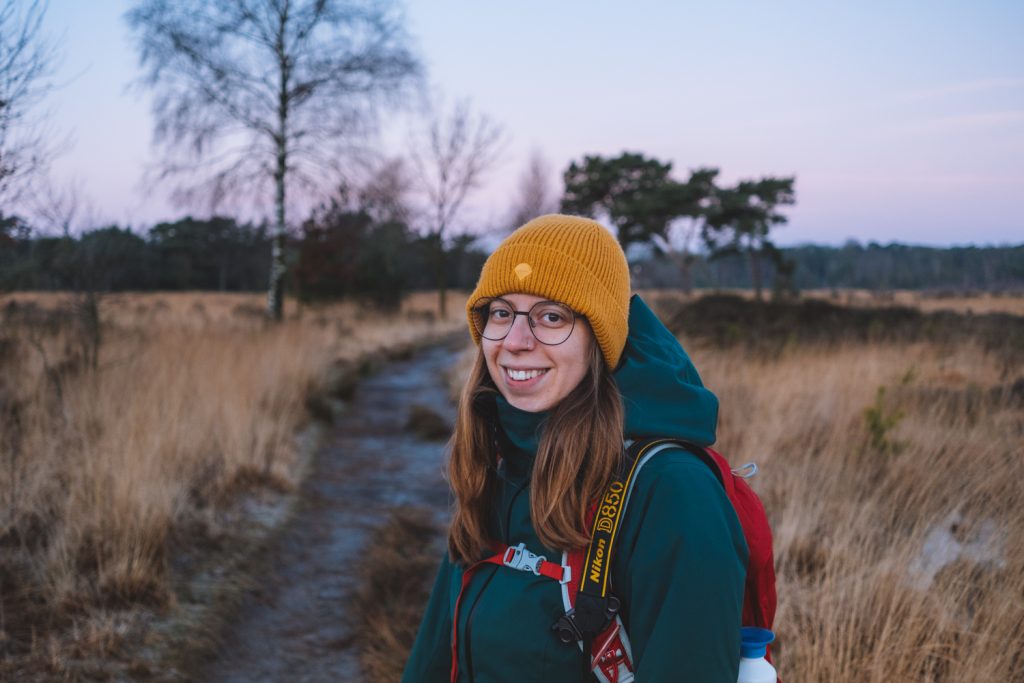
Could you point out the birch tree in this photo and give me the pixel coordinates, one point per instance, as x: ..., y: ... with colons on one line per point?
x: 260, y: 95
x: 26, y: 60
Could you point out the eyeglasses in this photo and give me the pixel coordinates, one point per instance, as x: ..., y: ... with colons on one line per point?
x: 550, y: 322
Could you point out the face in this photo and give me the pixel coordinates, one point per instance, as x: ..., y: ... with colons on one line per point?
x: 532, y: 376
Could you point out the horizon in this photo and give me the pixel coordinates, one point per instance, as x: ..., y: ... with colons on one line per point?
x: 489, y: 240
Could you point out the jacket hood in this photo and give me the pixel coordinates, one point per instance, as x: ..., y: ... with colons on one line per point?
x: 662, y: 393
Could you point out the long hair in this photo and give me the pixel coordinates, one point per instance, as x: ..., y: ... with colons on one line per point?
x: 579, y: 452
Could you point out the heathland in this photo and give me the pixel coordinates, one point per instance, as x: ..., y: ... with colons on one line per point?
x: 142, y: 435
x: 890, y: 446
x: 889, y: 436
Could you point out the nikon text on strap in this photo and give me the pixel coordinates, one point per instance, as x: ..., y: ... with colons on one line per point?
x: 591, y: 612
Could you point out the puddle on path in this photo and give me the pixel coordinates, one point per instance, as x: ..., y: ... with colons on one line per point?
x: 295, y: 627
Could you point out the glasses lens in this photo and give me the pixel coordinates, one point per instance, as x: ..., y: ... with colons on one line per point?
x: 551, y: 322
x: 493, y: 318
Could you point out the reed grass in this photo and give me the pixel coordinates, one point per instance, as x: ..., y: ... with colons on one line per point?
x: 900, y: 555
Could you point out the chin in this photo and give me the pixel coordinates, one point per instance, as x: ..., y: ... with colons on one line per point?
x: 530, y: 404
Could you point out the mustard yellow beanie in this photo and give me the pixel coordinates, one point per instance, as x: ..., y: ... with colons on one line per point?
x: 564, y: 258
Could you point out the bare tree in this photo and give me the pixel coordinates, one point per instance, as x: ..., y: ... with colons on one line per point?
x: 385, y: 193
x: 258, y: 92
x: 57, y: 208
x: 451, y: 158
x: 26, y: 60
x: 535, y: 196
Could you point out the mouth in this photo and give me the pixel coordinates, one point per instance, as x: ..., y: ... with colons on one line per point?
x: 524, y: 375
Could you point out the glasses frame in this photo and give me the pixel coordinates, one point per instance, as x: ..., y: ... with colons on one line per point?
x: 487, y: 301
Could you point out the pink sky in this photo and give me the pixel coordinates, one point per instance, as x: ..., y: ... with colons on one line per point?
x: 900, y: 123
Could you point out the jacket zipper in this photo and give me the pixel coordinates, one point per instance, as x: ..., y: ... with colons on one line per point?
x: 468, y: 638
x: 469, y: 626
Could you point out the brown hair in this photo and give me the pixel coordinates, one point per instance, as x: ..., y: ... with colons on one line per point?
x: 579, y: 451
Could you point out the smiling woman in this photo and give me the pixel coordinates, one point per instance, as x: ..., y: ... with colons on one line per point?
x: 535, y: 364
x: 569, y: 366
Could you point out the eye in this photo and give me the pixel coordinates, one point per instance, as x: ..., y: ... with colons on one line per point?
x: 552, y: 315
x: 499, y: 313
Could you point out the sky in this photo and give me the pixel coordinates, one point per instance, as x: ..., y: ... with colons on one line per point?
x: 901, y: 121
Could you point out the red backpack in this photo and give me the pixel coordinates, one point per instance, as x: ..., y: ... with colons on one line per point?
x: 591, y: 616
x: 611, y: 655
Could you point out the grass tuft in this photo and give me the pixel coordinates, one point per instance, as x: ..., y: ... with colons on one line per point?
x: 397, y: 573
x: 426, y: 423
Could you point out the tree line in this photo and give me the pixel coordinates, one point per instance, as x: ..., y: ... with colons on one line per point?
x: 900, y: 266
x: 873, y: 266
x: 363, y: 244
x: 343, y: 251
x: 338, y: 252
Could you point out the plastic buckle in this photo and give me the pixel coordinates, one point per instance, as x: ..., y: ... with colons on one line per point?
x: 565, y: 628
x: 522, y: 559
x: 746, y: 471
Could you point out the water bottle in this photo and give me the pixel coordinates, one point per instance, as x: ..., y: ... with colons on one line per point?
x: 754, y: 668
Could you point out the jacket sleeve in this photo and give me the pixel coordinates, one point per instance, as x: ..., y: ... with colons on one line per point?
x: 430, y: 659
x: 680, y: 571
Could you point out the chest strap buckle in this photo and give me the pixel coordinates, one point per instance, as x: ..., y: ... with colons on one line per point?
x: 518, y: 557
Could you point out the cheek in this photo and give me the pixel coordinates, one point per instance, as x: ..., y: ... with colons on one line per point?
x: 579, y: 369
x: 576, y: 361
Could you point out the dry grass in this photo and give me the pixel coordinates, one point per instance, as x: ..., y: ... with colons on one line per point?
x: 926, y: 301
x: 396, y: 572
x: 929, y: 301
x: 898, y: 515
x: 892, y: 475
x: 192, y: 401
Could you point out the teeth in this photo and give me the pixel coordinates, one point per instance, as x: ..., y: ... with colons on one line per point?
x: 520, y: 375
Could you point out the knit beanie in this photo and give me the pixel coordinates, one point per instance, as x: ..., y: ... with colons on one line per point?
x: 564, y: 258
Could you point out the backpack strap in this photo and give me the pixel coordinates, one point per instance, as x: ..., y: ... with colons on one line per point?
x: 759, y: 599
x: 590, y: 604
x: 515, y: 557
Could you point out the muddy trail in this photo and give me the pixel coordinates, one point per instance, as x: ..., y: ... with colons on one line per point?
x: 295, y: 626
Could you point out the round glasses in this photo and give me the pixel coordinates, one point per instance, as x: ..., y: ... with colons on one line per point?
x: 550, y: 322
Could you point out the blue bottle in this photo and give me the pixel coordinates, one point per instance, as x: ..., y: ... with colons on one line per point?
x: 754, y: 668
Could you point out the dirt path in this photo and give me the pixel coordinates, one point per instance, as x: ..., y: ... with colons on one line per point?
x: 295, y: 627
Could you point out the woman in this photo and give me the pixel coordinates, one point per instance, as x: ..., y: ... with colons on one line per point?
x: 569, y: 367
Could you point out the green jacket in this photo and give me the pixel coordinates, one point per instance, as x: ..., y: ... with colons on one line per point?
x: 680, y: 561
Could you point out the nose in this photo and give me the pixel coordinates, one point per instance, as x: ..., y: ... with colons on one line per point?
x: 520, y: 336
